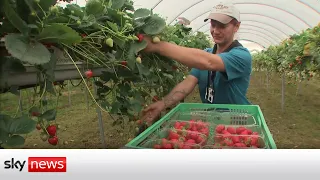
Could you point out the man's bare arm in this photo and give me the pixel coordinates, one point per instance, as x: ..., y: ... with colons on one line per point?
x: 190, y: 57
x: 179, y: 92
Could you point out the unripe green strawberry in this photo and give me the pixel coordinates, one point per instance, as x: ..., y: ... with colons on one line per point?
x: 109, y: 42
x: 138, y: 59
x: 44, y: 137
x: 156, y: 39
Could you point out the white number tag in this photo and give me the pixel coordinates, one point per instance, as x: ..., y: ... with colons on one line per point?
x: 209, y: 94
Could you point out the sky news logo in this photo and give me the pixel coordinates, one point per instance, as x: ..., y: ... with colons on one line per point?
x: 38, y: 164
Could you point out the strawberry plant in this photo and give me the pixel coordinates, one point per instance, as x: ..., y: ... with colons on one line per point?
x: 104, y: 33
x: 298, y: 57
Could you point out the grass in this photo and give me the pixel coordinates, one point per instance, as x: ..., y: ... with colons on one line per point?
x: 296, y: 127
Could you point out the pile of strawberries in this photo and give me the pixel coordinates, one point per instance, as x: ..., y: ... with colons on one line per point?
x: 185, y: 135
x: 237, y: 137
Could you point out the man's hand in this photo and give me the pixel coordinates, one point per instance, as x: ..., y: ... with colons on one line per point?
x: 153, y: 111
x: 151, y: 46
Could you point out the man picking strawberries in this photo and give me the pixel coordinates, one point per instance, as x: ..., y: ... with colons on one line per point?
x: 222, y: 72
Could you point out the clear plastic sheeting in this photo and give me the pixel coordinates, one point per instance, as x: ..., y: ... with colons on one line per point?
x: 264, y: 22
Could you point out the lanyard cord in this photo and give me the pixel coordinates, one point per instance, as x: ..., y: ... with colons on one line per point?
x: 212, y: 74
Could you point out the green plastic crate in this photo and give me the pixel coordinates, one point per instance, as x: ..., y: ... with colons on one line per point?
x: 214, y: 114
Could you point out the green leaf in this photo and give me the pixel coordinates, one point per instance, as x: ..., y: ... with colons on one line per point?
x: 107, y: 76
x: 22, y: 125
x: 142, y: 12
x: 143, y: 69
x: 135, y: 106
x: 49, y: 115
x: 138, y: 46
x: 115, y: 107
x: 95, y: 7
x: 30, y: 52
x: 14, y: 18
x: 77, y: 11
x: 46, y: 4
x: 3, y: 136
x: 5, y: 121
x: 128, y: 6
x: 15, y: 140
x: 88, y: 21
x: 16, y: 66
x: 154, y: 25
x: 120, y: 41
x: 59, y: 33
x: 49, y: 70
x: 117, y: 4
x: 113, y: 26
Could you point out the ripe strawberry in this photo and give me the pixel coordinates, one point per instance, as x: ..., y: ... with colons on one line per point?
x: 199, y: 140
x: 177, y: 125
x: 157, y: 146
x: 35, y: 114
x: 124, y: 63
x: 226, y: 134
x: 89, y: 73
x: 231, y: 130
x: 167, y: 146
x: 38, y: 126
x: 155, y: 99
x: 194, y: 136
x: 52, y: 130
x: 53, y: 140
x: 235, y: 139
x: 186, y: 146
x: 140, y: 37
x: 241, y: 145
x: 254, y: 141
x: 245, y: 132
x: 174, y: 68
x: 173, y: 135
x: 194, y: 128
x: 139, y: 122
x: 227, y: 142
x: 255, y: 134
x: 239, y: 130
x: 218, y: 138
x: 205, y: 131
x: 249, y: 131
x: 176, y: 144
x: 183, y: 124
x: 190, y: 141
x: 164, y: 141
x: 220, y: 128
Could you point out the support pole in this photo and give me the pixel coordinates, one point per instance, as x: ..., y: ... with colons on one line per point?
x: 20, y: 101
x: 101, y: 129
x: 69, y: 94
x: 283, y: 92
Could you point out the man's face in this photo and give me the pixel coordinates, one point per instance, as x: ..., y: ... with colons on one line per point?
x: 223, y: 33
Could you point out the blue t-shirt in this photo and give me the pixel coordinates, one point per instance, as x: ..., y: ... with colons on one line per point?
x: 230, y: 86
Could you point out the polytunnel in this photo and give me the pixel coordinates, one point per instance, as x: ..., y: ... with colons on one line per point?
x: 263, y: 22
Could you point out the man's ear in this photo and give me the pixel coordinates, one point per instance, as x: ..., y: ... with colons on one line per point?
x: 237, y: 26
